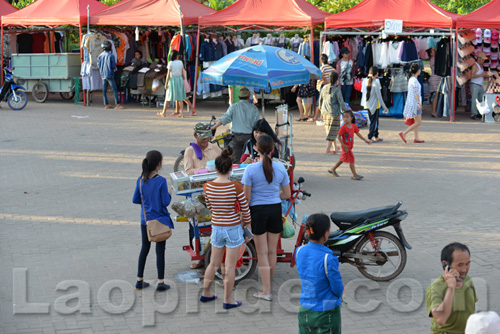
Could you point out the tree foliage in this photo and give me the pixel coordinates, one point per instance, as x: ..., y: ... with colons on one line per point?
x: 460, y: 6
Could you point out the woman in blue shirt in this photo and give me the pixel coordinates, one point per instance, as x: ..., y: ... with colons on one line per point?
x: 152, y: 193
x: 321, y: 283
x: 266, y: 183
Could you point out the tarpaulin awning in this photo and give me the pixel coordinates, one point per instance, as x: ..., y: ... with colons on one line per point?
x: 6, y: 8
x: 373, y: 13
x: 151, y: 13
x: 277, y: 13
x: 53, y: 13
x: 487, y: 16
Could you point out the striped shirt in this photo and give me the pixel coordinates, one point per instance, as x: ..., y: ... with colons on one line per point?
x: 325, y: 76
x: 221, y: 199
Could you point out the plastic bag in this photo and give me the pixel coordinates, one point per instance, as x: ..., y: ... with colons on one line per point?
x: 178, y: 207
x: 155, y: 85
x: 193, y: 207
x: 288, y: 230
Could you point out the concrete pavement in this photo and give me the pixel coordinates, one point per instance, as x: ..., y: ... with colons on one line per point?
x: 68, y: 226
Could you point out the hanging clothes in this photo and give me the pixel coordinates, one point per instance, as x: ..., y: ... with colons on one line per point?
x: 409, y: 52
x: 443, y: 58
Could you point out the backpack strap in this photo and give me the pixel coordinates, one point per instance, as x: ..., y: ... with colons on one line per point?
x: 326, y: 267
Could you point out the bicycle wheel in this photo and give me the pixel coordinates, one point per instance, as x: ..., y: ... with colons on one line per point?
x: 18, y: 101
x: 246, y: 270
x: 179, y: 163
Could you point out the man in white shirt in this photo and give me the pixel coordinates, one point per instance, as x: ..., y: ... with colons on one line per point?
x: 476, y: 87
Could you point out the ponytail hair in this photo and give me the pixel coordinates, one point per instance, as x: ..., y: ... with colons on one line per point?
x: 414, y: 69
x: 265, y: 146
x: 224, y: 162
x: 150, y: 163
x: 316, y: 226
x: 371, y: 73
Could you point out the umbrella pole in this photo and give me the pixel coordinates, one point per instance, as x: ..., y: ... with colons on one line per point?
x: 262, y: 111
x: 2, y: 55
x: 198, y: 37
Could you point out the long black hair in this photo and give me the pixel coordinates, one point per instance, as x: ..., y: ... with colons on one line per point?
x: 263, y: 126
x: 371, y: 74
x: 149, y: 164
x: 265, y: 145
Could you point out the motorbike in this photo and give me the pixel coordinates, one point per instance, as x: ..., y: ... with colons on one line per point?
x: 14, y: 96
x: 359, y: 241
x: 223, y: 140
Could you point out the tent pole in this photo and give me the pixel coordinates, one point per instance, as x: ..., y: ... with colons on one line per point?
x: 198, y: 37
x: 81, y: 62
x: 262, y: 109
x: 88, y: 19
x: 53, y: 40
x: 2, y: 53
x: 312, y: 44
x: 454, y: 79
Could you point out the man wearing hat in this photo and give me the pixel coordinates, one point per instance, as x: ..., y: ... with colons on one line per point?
x: 243, y: 115
x: 197, y: 154
x: 476, y: 87
x: 345, y: 69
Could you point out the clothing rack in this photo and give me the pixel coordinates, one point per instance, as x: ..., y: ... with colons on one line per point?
x: 430, y: 33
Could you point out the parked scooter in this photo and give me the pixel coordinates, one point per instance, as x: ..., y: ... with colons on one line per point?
x: 13, y: 95
x: 378, y: 255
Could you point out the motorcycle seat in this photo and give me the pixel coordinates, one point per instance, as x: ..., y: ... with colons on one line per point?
x: 345, y: 220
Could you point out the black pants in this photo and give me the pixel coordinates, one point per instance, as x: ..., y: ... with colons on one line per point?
x: 5, y: 89
x: 239, y: 140
x: 160, y: 255
x: 373, y: 124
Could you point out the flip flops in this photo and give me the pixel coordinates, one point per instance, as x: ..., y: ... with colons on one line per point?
x: 204, y: 299
x: 334, y: 173
x: 357, y: 177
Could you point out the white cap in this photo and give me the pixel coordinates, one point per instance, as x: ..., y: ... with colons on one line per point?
x: 483, y: 323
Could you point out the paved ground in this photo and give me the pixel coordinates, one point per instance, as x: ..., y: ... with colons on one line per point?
x: 70, y: 235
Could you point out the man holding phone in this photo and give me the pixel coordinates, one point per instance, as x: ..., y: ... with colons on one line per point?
x: 452, y: 298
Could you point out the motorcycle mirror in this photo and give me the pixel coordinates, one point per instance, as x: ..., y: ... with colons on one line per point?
x: 213, y: 117
x: 301, y: 180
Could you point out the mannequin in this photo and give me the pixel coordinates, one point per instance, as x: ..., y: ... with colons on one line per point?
x: 254, y: 40
x: 269, y: 40
x: 239, y: 42
x: 282, y: 41
x: 295, y: 41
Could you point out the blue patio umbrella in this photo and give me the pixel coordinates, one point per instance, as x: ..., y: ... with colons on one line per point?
x: 261, y: 66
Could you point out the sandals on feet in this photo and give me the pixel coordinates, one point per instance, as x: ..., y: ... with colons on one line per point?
x: 334, y: 173
x: 357, y: 177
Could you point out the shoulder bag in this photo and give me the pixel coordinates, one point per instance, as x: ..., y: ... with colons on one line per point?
x: 157, y: 231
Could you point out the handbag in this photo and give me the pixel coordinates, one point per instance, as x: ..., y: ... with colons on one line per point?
x: 358, y: 84
x: 409, y: 121
x: 157, y: 231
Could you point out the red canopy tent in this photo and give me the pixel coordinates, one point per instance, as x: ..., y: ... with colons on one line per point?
x: 372, y: 13
x: 487, y: 16
x: 275, y: 13
x: 278, y: 13
x: 52, y: 13
x: 6, y: 8
x: 416, y: 14
x: 146, y: 12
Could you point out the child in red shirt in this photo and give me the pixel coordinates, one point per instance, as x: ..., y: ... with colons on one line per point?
x: 346, y: 139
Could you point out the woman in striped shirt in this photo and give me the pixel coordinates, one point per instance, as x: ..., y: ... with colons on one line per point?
x: 221, y: 196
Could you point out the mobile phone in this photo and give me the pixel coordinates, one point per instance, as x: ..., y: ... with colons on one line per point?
x: 247, y: 233
x: 446, y: 264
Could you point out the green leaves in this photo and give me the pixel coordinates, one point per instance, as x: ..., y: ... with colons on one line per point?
x: 218, y: 4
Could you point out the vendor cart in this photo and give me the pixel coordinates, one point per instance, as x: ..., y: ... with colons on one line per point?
x: 46, y: 73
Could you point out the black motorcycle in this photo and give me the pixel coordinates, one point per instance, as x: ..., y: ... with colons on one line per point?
x: 378, y: 255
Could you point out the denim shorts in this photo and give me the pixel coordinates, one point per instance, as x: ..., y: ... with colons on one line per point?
x: 228, y: 236
x: 419, y: 112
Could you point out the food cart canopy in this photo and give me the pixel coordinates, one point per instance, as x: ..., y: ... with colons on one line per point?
x: 151, y: 13
x: 373, y: 13
x: 53, y: 13
x: 487, y: 16
x: 277, y: 13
